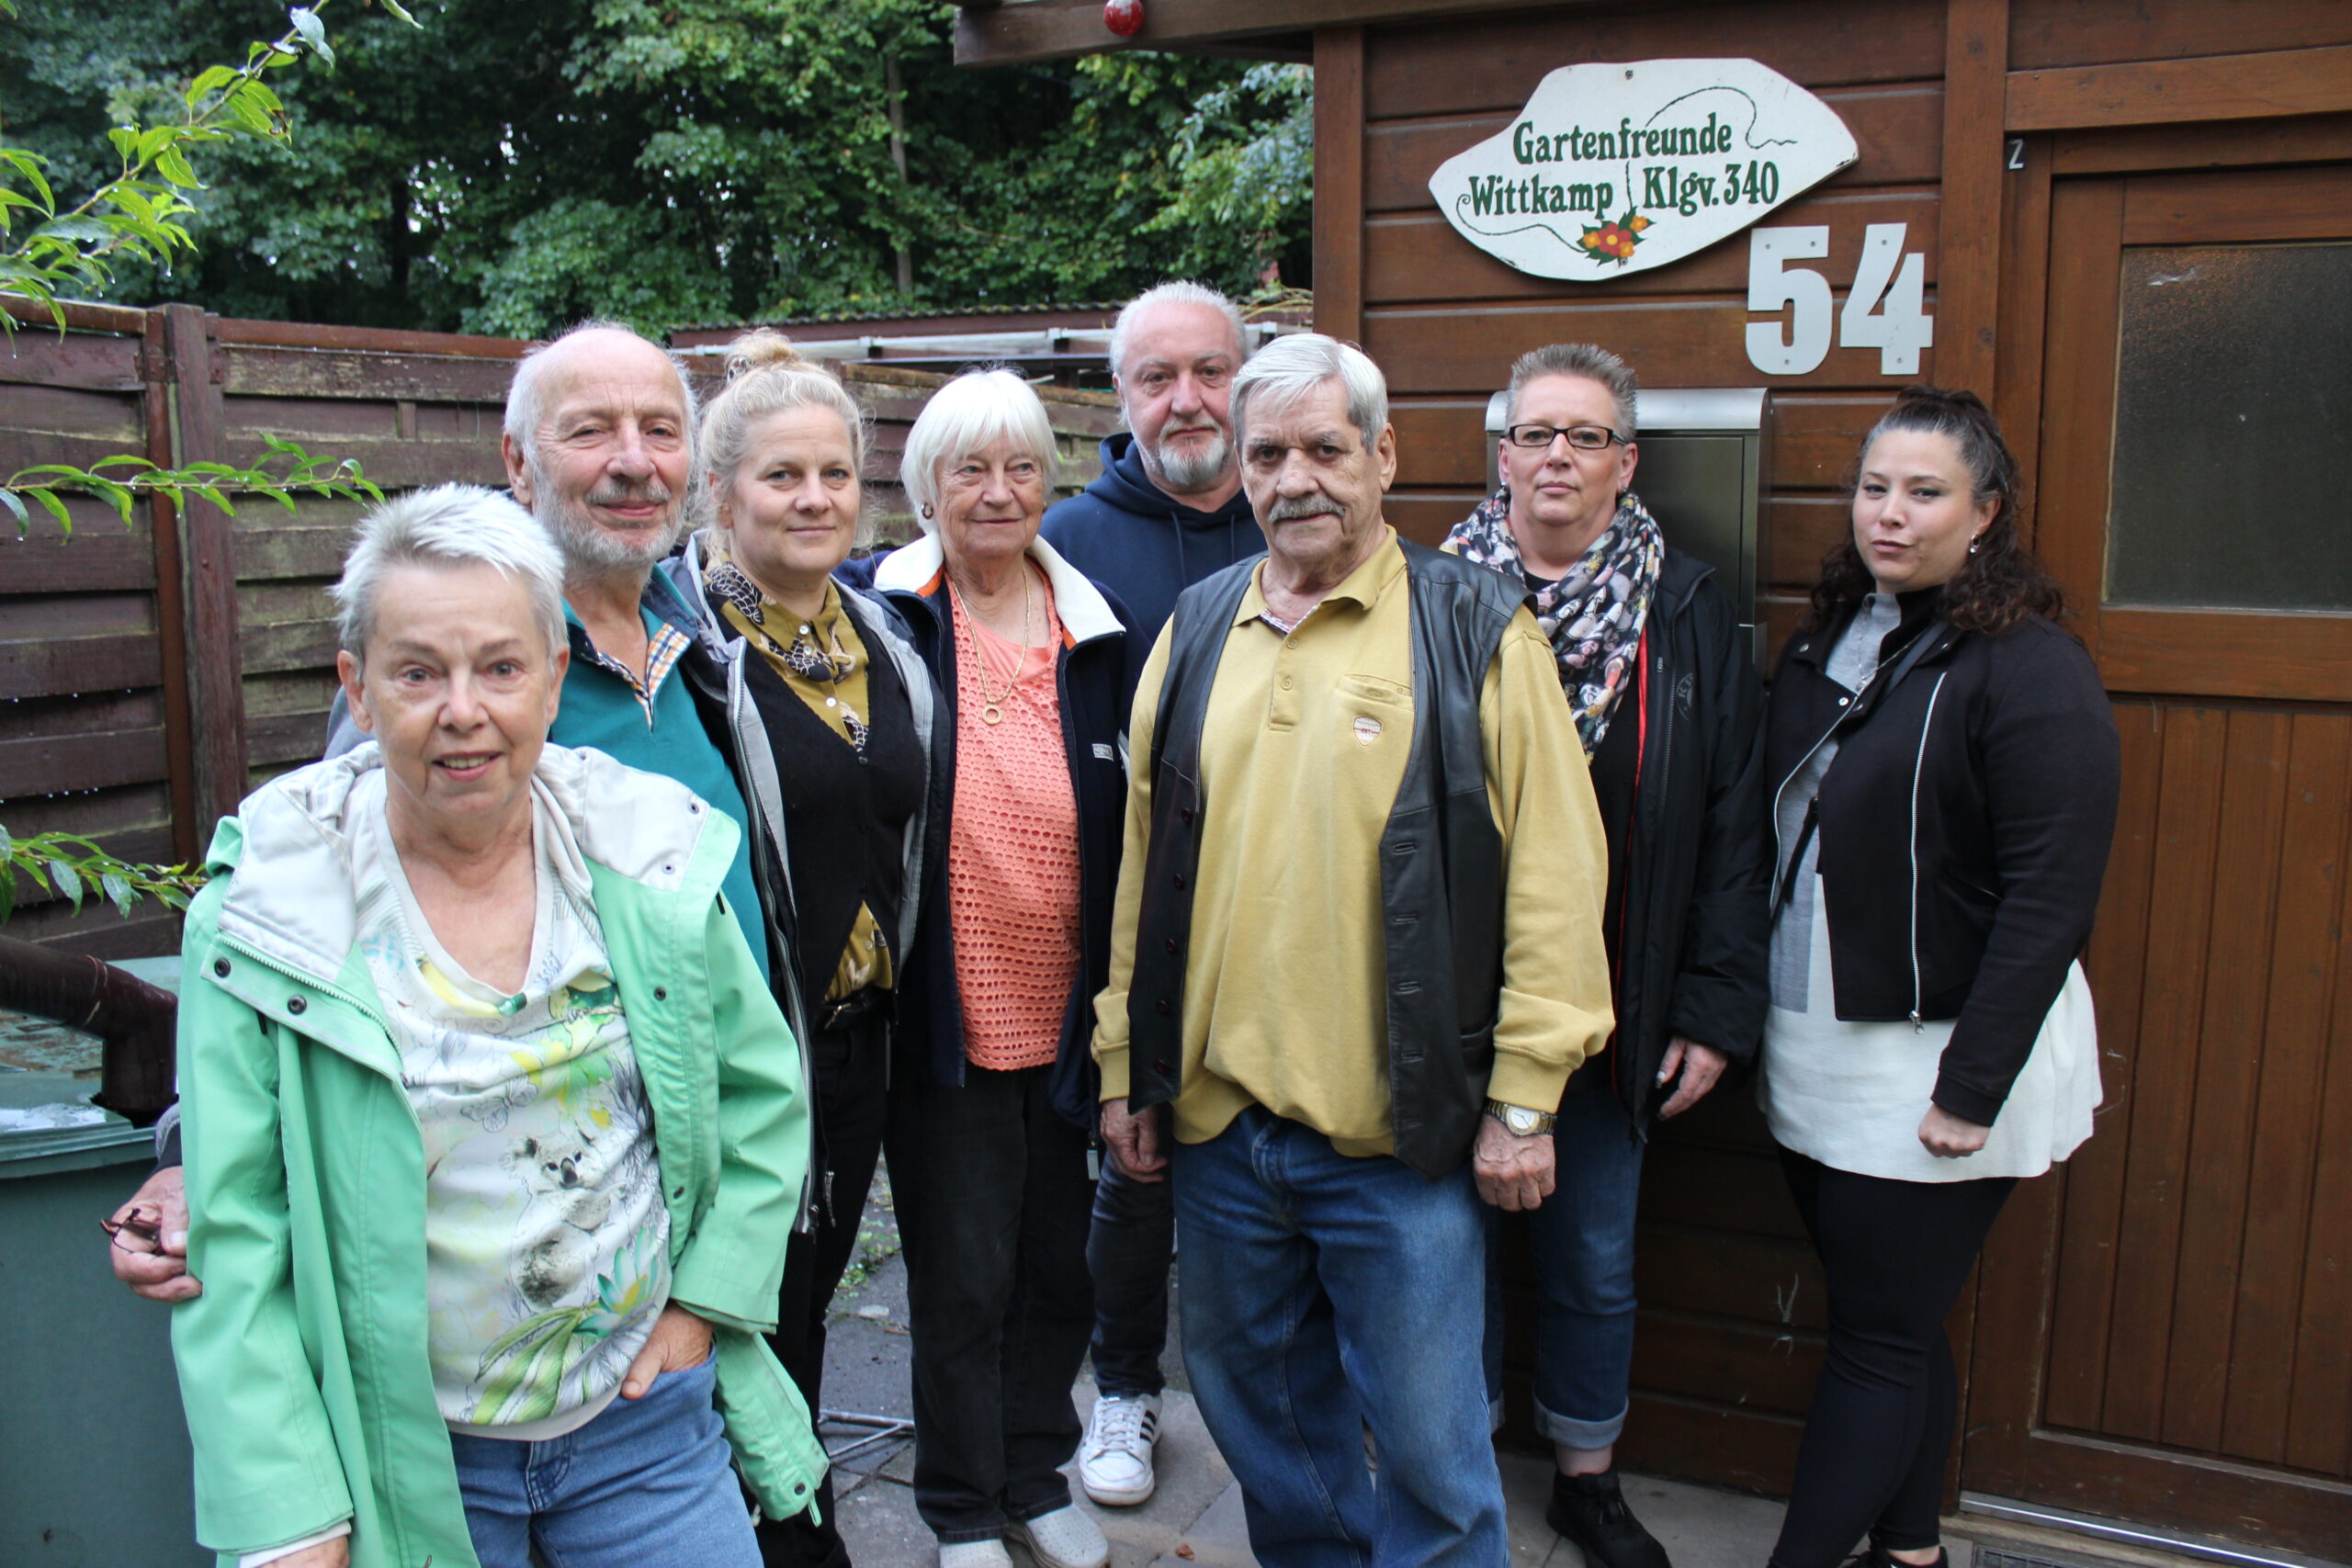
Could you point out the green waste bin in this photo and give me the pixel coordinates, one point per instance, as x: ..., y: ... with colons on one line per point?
x: 94, y: 1452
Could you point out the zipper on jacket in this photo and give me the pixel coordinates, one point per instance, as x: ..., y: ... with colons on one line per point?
x: 1919, y: 767
x: 324, y: 988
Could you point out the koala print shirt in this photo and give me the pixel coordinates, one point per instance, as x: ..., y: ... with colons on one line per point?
x: 547, y: 1242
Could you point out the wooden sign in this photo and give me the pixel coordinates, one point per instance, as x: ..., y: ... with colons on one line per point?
x: 1610, y: 169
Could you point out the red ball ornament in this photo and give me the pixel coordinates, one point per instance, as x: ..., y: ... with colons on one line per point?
x: 1124, y: 17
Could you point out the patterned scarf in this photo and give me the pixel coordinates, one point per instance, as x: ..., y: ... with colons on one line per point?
x: 832, y: 664
x: 1594, y: 615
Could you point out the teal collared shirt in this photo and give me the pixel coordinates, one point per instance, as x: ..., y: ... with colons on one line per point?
x: 655, y: 727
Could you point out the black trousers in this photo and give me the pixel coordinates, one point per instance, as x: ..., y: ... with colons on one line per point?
x: 850, y: 1068
x: 1897, y: 1254
x: 993, y: 1199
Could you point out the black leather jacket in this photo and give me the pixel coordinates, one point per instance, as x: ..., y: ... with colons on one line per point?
x: 1964, y: 827
x: 1441, y: 860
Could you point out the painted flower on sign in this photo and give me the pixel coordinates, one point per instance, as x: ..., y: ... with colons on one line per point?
x: 1614, y: 241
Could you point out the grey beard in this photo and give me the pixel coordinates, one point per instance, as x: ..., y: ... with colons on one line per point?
x: 1187, y: 472
x: 595, y: 551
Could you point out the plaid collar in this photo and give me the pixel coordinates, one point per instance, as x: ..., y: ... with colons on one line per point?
x: 667, y: 641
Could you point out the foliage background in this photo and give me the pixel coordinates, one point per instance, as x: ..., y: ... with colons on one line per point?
x: 508, y: 167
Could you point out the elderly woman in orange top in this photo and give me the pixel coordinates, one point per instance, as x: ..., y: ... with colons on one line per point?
x: 993, y: 1102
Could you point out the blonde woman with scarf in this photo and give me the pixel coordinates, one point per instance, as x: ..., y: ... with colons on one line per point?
x: 831, y: 714
x: 1667, y: 703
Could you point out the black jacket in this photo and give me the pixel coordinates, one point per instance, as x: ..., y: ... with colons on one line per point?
x: 1096, y: 679
x: 1441, y: 860
x: 1964, y: 828
x: 1143, y: 544
x: 1694, y: 955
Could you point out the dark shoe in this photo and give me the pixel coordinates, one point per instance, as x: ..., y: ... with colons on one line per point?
x: 1590, y: 1511
x: 1876, y: 1556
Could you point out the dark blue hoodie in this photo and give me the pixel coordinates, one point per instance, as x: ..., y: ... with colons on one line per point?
x: 1143, y: 544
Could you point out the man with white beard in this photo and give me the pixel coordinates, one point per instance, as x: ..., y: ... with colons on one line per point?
x: 599, y: 444
x: 1167, y: 513
x: 1169, y: 509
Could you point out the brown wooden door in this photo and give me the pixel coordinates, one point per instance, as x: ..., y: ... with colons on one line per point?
x: 2164, y: 1330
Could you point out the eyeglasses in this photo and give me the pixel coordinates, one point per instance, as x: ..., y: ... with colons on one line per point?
x: 1583, y: 437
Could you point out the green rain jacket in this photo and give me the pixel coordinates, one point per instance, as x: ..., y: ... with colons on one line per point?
x: 302, y: 1366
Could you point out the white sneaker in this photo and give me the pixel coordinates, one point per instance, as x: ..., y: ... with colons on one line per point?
x: 1063, y: 1539
x: 974, y: 1554
x: 1115, y: 1465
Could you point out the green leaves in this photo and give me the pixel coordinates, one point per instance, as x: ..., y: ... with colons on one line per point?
x: 216, y: 483
x: 137, y: 213
x: 313, y: 33
x: 71, y: 867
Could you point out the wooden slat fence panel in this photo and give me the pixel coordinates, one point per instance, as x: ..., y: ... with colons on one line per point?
x: 83, y: 742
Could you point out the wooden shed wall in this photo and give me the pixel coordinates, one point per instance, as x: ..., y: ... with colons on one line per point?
x: 1732, y: 1301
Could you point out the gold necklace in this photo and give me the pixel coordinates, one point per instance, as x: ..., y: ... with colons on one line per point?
x: 992, y: 707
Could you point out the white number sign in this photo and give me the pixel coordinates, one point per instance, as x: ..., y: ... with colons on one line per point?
x: 1885, y: 308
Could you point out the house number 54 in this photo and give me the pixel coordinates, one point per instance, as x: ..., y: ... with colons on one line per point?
x: 1884, y: 309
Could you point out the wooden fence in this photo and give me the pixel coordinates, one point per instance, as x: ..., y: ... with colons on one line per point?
x: 151, y: 675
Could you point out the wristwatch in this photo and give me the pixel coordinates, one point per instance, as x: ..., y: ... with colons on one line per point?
x: 1519, y: 1120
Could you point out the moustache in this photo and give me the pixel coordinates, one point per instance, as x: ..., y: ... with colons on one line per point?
x: 623, y: 493
x: 1293, y: 508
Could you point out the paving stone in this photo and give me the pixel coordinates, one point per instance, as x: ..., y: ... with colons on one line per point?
x: 1196, y: 1506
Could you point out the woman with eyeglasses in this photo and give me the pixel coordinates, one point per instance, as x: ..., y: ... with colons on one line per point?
x: 1667, y: 700
x: 833, y: 718
x: 993, y: 1107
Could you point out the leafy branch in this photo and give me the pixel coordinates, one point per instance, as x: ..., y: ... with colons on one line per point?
x: 215, y: 483
x: 141, y: 211
x: 72, y: 867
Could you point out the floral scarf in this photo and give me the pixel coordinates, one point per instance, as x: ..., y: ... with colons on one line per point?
x: 1594, y: 615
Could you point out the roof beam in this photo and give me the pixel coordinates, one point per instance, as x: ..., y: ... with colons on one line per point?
x: 1030, y: 30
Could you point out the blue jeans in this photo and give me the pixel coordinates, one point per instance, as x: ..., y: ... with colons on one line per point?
x: 648, y: 1481
x: 1127, y: 1251
x: 1323, y: 1294
x: 1582, y: 1244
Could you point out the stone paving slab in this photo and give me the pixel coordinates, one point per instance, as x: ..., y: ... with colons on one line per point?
x: 1194, y: 1520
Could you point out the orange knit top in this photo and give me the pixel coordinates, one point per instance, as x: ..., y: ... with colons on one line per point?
x: 1011, y: 847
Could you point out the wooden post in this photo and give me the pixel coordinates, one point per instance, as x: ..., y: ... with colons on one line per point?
x: 216, y: 672
x: 1338, y: 183
x: 171, y: 594
x: 1968, y: 285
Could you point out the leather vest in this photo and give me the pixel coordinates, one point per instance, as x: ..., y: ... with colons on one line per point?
x: 1440, y: 859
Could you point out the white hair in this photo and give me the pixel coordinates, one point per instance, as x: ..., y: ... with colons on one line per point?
x: 976, y: 409
x: 1182, y: 291
x: 526, y: 399
x: 444, y: 527
x: 1289, y: 367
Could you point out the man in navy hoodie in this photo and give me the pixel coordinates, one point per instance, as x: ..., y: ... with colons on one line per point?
x: 1169, y: 509
x: 1166, y: 512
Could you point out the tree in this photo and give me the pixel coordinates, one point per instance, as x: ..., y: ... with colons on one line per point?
x: 136, y: 214
x: 508, y: 168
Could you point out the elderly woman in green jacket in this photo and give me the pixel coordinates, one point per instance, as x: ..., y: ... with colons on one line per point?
x: 494, y: 1135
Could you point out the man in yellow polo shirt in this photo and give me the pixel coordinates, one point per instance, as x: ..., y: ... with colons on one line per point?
x: 1356, y: 953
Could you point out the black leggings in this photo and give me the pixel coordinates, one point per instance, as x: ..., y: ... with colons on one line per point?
x: 1895, y: 1254
x: 851, y: 1091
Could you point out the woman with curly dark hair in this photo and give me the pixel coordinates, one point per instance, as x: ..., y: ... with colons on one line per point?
x: 1944, y: 768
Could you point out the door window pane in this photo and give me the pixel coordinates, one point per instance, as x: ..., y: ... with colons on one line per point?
x: 2232, y: 484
